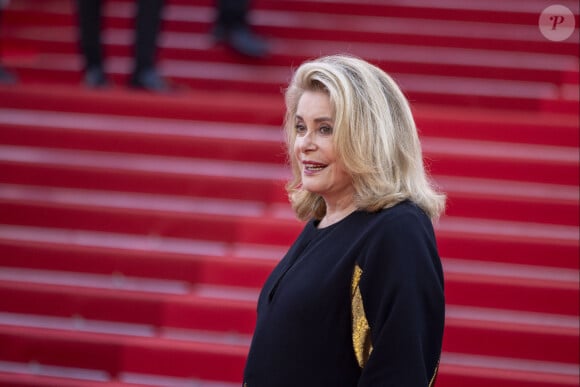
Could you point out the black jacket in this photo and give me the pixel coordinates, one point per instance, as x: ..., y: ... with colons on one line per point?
x: 358, y: 303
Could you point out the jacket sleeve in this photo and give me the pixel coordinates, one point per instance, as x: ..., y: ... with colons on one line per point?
x: 401, y: 287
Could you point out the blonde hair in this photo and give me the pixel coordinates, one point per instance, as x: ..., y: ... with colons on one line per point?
x: 374, y: 136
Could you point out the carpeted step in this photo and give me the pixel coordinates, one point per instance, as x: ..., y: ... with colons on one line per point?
x: 534, y: 336
x: 36, y: 375
x: 207, y: 140
x: 212, y: 140
x: 460, y: 369
x: 526, y: 238
x: 468, y: 282
x: 409, y: 24
x: 479, y: 158
x: 537, y: 336
x: 531, y: 163
x: 511, y: 286
x: 124, y: 305
x: 517, y: 201
x: 219, y: 106
x: 117, y: 254
x: 514, y: 78
x: 396, y: 59
x: 509, y: 242
x: 116, y: 354
x: 191, y: 177
x: 492, y: 125
x: 460, y: 91
x: 184, y: 180
x: 432, y: 121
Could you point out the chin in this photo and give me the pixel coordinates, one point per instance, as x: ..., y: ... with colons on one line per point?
x: 314, y: 190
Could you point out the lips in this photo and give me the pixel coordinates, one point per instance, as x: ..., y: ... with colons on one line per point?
x: 313, y: 166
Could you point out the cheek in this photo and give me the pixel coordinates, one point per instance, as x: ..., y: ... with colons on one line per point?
x: 327, y: 149
x: 296, y: 147
x: 340, y: 170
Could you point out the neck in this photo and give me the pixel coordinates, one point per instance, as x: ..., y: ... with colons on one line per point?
x: 335, y: 212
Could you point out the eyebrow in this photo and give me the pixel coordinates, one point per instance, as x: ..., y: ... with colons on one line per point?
x: 319, y: 119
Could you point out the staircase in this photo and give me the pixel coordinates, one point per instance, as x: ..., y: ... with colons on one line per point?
x: 136, y: 229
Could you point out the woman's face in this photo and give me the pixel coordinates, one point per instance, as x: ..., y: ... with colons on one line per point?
x: 322, y: 172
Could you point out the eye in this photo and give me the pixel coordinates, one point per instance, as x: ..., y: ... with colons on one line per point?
x: 300, y: 128
x: 325, y: 130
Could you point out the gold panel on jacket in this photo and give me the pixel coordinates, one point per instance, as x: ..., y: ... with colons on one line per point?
x: 361, y: 331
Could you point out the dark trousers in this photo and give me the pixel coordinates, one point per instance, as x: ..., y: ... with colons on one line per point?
x: 147, y: 27
x: 232, y: 13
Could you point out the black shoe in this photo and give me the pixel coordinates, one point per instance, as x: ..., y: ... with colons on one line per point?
x: 95, y: 78
x: 6, y: 77
x: 149, y: 80
x: 242, y: 40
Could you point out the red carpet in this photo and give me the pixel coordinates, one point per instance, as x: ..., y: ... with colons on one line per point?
x: 136, y: 229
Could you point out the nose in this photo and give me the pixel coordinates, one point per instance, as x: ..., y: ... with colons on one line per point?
x: 307, y: 142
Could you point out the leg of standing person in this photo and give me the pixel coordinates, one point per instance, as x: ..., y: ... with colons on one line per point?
x: 89, y: 23
x: 147, y: 29
x: 6, y: 77
x: 232, y: 27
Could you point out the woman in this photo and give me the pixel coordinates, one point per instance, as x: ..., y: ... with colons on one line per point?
x: 358, y: 298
